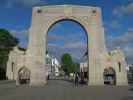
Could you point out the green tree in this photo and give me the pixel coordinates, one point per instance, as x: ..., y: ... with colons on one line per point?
x: 7, y: 42
x: 76, y: 67
x: 68, y: 65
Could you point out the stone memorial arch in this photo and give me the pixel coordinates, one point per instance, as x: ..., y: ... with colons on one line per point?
x: 44, y: 17
x: 90, y: 18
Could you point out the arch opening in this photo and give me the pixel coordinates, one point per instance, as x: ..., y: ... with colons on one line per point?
x: 67, y: 19
x: 109, y: 76
x: 66, y: 37
x: 24, y: 76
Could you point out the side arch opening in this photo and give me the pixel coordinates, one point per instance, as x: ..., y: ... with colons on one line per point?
x: 24, y: 75
x: 109, y: 75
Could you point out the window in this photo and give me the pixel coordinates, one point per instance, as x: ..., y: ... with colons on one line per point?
x: 12, y: 66
x: 119, y: 64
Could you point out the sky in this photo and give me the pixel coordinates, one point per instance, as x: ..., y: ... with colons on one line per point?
x: 75, y: 43
x: 117, y: 19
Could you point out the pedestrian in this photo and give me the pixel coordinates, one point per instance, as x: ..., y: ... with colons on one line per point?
x: 76, y: 80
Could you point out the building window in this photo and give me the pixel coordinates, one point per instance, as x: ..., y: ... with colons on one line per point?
x: 119, y: 64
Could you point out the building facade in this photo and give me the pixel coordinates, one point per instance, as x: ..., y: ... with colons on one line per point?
x: 130, y: 73
x: 52, y: 66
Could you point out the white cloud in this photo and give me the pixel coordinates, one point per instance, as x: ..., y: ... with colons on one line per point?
x: 57, y: 51
x: 22, y: 36
x: 124, y: 9
x: 54, y: 37
x: 27, y: 3
x: 125, y: 42
x: 73, y: 45
x: 115, y: 24
x: 122, y: 41
x: 9, y: 4
x: 17, y: 33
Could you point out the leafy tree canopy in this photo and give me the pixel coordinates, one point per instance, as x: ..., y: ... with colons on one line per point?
x: 68, y: 65
x: 7, y: 42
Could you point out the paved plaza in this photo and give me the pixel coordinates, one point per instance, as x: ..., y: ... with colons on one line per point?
x: 63, y: 90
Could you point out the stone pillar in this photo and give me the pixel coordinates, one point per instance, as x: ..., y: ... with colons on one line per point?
x: 96, y: 48
x: 36, y: 51
x: 37, y: 62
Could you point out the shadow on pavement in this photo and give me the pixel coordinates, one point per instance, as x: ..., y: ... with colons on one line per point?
x: 130, y: 98
x: 131, y: 89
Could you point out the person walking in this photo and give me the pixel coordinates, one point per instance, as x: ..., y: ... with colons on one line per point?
x: 76, y: 80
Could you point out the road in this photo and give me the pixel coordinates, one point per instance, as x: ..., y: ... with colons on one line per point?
x: 63, y: 90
